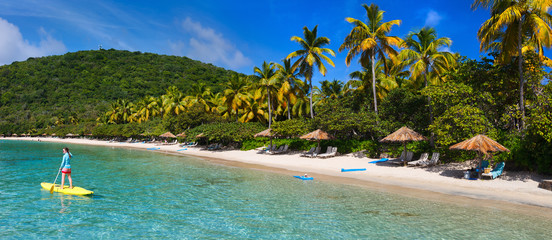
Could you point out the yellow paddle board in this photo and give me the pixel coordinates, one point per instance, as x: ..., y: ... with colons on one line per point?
x: 66, y: 189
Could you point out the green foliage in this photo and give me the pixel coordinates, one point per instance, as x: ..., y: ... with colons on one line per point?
x: 459, y: 123
x: 225, y: 132
x: 195, y: 116
x: 292, y: 127
x: 83, y: 84
x: 140, y: 130
x: 402, y: 107
x: 341, y: 121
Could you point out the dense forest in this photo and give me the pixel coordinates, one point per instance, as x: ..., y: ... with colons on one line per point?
x: 80, y: 86
x: 404, y: 81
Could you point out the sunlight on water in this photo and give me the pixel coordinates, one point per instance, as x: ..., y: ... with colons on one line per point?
x: 149, y: 195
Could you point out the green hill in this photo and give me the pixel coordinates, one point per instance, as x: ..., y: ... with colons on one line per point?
x: 82, y: 84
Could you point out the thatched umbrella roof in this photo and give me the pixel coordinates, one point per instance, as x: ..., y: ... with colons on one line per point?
x: 265, y: 133
x: 182, y: 134
x: 71, y: 135
x: 317, y: 135
x: 14, y: 135
x: 200, y: 135
x: 480, y: 143
x: 167, y: 135
x: 404, y: 134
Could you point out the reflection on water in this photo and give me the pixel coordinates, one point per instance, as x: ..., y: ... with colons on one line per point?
x: 139, y: 193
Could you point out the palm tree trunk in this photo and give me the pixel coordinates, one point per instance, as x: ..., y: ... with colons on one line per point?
x: 310, y: 98
x: 431, y: 136
x: 521, y: 81
x: 288, y: 107
x: 374, y: 83
x: 269, y: 108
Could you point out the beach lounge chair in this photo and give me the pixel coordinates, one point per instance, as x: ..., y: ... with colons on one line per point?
x: 315, y: 153
x: 277, y: 150
x: 433, y: 161
x: 403, y: 155
x: 328, y: 150
x: 497, y: 171
x: 423, y: 158
x: 484, y: 164
x: 267, y: 148
x: 282, y: 149
x: 406, y: 159
x: 215, y: 146
x: 332, y: 153
x: 307, y: 153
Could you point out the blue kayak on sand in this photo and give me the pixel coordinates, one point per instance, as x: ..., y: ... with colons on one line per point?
x: 153, y: 148
x: 353, y: 169
x: 381, y: 160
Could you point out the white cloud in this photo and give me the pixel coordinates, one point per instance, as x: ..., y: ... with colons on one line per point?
x: 432, y: 19
x: 445, y: 49
x: 15, y: 48
x: 205, y: 44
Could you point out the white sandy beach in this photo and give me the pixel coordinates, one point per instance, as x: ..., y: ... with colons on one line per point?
x: 442, y: 182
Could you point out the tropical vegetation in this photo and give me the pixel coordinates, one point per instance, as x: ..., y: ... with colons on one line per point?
x: 412, y: 81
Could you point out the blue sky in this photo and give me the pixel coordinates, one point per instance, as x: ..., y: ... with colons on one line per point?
x: 236, y: 35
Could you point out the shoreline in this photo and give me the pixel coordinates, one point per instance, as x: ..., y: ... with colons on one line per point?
x: 440, y: 183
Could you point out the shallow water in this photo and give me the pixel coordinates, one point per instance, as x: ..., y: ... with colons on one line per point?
x: 143, y: 194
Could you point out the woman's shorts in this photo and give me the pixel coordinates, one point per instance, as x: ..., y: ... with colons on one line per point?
x: 66, y: 170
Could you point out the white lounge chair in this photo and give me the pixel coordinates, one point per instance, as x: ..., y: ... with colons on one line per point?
x: 332, y: 153
x: 315, y: 153
x: 434, y: 160
x: 423, y: 158
x: 328, y: 150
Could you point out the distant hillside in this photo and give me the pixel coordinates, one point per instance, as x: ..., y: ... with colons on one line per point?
x: 82, y: 84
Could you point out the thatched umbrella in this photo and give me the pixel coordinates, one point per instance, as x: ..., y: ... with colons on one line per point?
x: 167, y: 135
x: 71, y: 135
x: 404, y: 135
x: 481, y: 144
x: 317, y: 135
x: 266, y: 133
x: 182, y: 134
x: 200, y: 135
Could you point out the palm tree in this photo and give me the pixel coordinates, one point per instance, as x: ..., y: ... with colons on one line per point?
x: 235, y: 93
x: 361, y: 80
x: 145, y: 108
x: 332, y: 90
x: 290, y: 84
x: 425, y: 58
x: 200, y: 94
x: 310, y: 54
x: 172, y: 102
x: 253, y: 110
x: 510, y: 24
x: 370, y: 40
x: 120, y: 111
x: 266, y: 77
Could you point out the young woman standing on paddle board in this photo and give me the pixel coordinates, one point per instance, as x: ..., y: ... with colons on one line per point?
x: 66, y: 168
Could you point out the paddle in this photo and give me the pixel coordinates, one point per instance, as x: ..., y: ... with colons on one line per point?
x: 53, y: 185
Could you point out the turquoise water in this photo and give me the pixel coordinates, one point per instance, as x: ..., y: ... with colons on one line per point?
x: 142, y: 194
